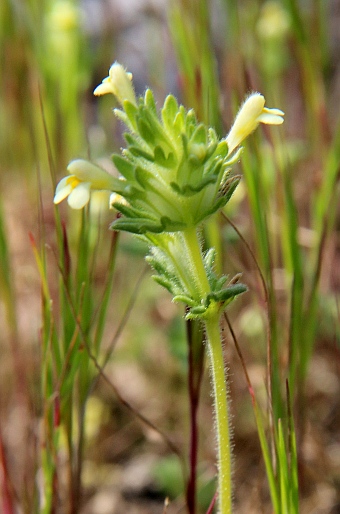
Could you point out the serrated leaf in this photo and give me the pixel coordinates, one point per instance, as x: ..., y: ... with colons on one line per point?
x: 220, y: 282
x: 163, y: 282
x: 222, y: 148
x: 124, y: 167
x: 138, y: 226
x: 149, y: 101
x: 122, y: 116
x: 226, y: 294
x: 160, y: 158
x: 143, y: 176
x: 189, y: 189
x: 138, y: 152
x: 178, y: 124
x: 128, y: 211
x: 170, y: 225
x: 170, y: 109
x: 132, y: 139
x: 200, y: 135
x: 190, y: 123
x: 210, y: 151
x: 146, y: 132
x: 131, y: 112
x: 209, y: 258
x: 198, y: 310
x: 185, y: 299
x: 212, y: 136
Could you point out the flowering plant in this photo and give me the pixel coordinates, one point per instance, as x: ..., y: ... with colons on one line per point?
x: 174, y: 174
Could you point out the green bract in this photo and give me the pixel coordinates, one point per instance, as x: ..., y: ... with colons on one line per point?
x: 176, y: 172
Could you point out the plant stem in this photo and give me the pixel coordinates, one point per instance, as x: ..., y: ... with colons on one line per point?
x: 212, y: 327
x: 221, y: 414
x: 194, y: 254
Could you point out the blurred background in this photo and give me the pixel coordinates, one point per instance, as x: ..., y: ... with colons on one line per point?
x: 107, y: 431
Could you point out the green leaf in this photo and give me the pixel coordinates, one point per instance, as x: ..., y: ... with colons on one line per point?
x: 209, y: 258
x: 226, y: 294
x: 189, y: 189
x: 149, y: 101
x: 200, y: 135
x: 196, y: 311
x: 184, y: 299
x: 169, y: 111
x: 124, y: 167
x: 170, y: 225
x: 136, y: 226
x: 162, y: 160
x: 128, y: 211
x: 143, y: 176
x: 164, y: 283
x: 146, y: 132
x: 138, y: 152
x: 131, y: 112
x: 178, y: 124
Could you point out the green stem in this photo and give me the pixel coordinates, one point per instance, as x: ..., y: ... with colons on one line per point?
x: 194, y: 253
x: 212, y: 327
x: 221, y: 414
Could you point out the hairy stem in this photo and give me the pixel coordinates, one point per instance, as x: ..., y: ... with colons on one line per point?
x: 221, y: 414
x: 212, y: 327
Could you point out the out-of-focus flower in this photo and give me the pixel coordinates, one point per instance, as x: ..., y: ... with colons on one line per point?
x: 63, y: 17
x: 251, y: 114
x: 274, y: 21
x: 118, y: 83
x: 83, y: 177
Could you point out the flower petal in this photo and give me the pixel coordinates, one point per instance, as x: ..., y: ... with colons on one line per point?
x: 103, y: 88
x: 63, y: 189
x: 80, y: 196
x: 86, y: 171
x: 270, y: 119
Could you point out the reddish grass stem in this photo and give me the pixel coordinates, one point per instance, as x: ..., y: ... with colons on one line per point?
x: 195, y: 373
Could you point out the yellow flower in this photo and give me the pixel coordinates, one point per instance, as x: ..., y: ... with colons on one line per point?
x: 118, y: 83
x: 251, y: 114
x: 63, y: 17
x: 83, y: 177
x: 274, y: 21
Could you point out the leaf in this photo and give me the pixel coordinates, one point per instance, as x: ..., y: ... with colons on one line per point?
x: 162, y: 160
x: 185, y: 299
x: 149, y: 101
x: 124, y: 167
x: 146, y: 132
x: 131, y: 112
x: 189, y: 189
x: 169, y: 111
x: 200, y: 135
x: 170, y: 225
x: 226, y: 294
x: 136, y: 226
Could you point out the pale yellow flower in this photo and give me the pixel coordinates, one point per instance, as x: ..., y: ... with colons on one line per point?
x: 251, y: 114
x: 63, y: 17
x: 274, y: 21
x: 83, y: 177
x: 118, y: 83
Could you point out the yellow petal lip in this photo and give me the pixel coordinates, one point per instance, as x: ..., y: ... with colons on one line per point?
x: 251, y: 113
